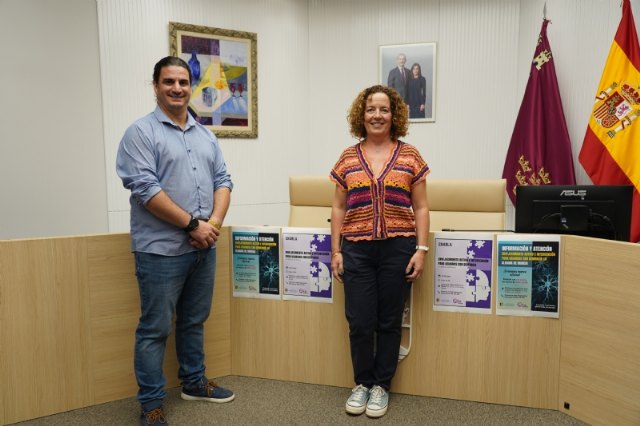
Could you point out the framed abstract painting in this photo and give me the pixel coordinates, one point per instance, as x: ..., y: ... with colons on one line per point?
x: 224, y: 83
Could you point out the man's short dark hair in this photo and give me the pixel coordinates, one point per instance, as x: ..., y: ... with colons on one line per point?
x: 167, y: 62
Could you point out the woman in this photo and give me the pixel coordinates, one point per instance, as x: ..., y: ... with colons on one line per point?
x: 416, y: 92
x: 379, y: 232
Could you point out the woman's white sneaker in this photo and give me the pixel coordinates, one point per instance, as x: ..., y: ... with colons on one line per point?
x: 357, y: 402
x: 378, y: 402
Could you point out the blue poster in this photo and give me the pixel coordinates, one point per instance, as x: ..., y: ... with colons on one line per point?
x: 528, y: 275
x: 256, y: 262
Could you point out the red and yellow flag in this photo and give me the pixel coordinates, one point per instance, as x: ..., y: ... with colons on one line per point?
x: 610, y: 152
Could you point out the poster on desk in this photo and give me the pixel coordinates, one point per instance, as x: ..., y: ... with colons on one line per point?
x: 255, y: 253
x: 306, y: 264
x: 528, y: 275
x: 462, y: 272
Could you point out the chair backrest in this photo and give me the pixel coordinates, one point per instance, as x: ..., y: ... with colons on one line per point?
x: 453, y: 204
x: 310, y: 199
x: 467, y: 204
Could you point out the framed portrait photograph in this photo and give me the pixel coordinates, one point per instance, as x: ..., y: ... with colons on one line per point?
x: 225, y: 82
x: 411, y: 70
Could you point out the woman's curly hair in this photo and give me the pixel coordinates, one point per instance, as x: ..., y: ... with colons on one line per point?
x: 399, y: 112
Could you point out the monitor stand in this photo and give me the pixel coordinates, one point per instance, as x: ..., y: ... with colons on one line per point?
x: 575, y: 217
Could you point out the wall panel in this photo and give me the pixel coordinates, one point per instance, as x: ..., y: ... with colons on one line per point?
x: 44, y: 327
x: 68, y: 312
x: 460, y: 356
x: 599, y: 363
x: 134, y: 35
x: 52, y: 175
x: 313, y: 57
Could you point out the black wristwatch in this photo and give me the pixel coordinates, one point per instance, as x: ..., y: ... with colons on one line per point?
x: 193, y: 224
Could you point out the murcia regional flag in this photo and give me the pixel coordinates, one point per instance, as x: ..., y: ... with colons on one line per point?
x: 540, y: 150
x: 610, y: 152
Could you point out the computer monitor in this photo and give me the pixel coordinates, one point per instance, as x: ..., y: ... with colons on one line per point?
x: 601, y: 211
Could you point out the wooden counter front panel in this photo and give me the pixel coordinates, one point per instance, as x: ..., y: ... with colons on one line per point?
x: 290, y: 340
x: 44, y: 328
x: 68, y: 312
x: 486, y: 358
x: 505, y: 360
x: 69, y: 307
x: 115, y: 311
x: 600, y: 358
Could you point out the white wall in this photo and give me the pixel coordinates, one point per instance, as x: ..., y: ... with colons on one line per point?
x: 475, y: 79
x: 313, y: 57
x: 134, y: 35
x: 52, y: 173
x: 484, y: 52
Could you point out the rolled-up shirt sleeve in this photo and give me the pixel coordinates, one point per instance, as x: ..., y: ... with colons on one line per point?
x: 221, y: 176
x: 136, y: 164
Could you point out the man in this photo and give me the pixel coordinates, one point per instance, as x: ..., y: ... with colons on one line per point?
x: 399, y: 76
x: 180, y: 193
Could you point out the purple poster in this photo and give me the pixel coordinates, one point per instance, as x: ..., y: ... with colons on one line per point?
x: 462, y: 268
x: 306, y: 261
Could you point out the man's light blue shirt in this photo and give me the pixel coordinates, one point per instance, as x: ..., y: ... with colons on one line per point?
x: 155, y: 154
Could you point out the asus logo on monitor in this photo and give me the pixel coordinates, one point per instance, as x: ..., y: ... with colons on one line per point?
x: 573, y: 193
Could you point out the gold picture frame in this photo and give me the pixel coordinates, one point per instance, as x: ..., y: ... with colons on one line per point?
x: 224, y: 68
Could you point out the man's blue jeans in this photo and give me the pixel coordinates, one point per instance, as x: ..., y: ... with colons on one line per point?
x: 180, y: 285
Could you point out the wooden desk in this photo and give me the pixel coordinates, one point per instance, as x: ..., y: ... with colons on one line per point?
x: 69, y: 308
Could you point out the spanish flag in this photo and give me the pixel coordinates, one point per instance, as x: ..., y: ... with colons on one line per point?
x: 610, y: 152
x: 540, y: 149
